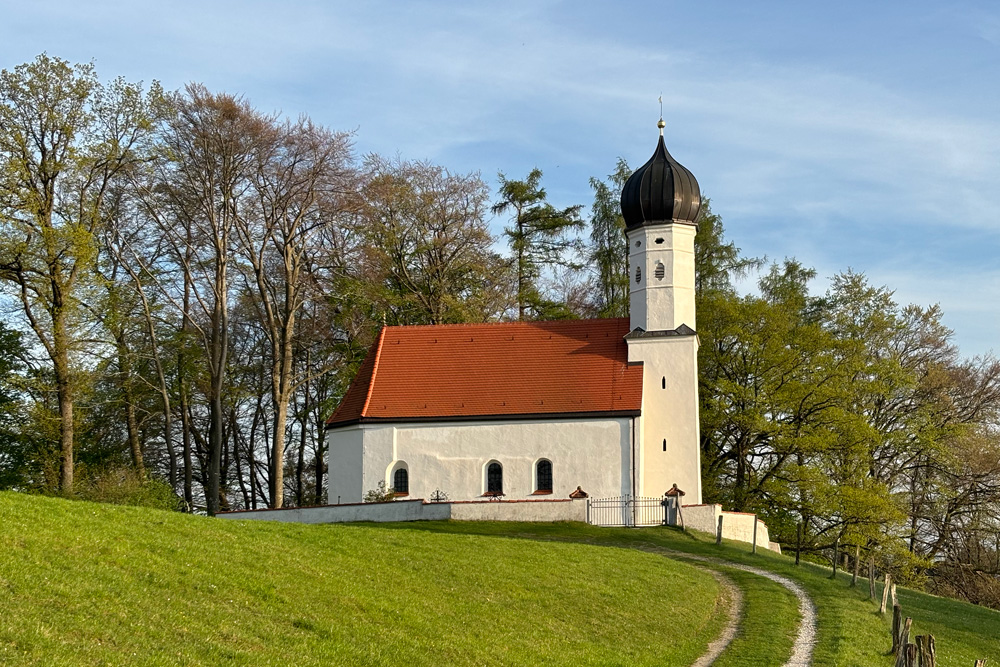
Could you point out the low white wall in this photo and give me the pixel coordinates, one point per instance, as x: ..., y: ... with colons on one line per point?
x: 521, y: 510
x: 735, y: 525
x: 421, y: 510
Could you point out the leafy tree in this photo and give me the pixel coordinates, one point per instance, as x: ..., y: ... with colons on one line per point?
x: 539, y: 237
x: 609, y: 245
x: 15, y: 452
x: 64, y: 140
x: 427, y: 254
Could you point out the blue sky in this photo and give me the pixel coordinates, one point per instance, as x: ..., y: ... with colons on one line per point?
x: 861, y: 135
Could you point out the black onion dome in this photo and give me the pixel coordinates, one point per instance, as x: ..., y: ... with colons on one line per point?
x: 660, y: 191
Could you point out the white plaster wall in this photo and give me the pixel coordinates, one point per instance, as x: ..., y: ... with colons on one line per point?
x: 394, y: 511
x: 591, y: 453
x: 662, y: 304
x: 344, y: 458
x: 570, y: 510
x: 418, y: 510
x: 735, y: 525
x: 670, y: 414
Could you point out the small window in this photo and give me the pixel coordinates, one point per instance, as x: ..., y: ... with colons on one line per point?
x: 660, y: 271
x: 543, y: 476
x: 663, y: 382
x: 638, y: 274
x: 638, y: 243
x: 664, y: 444
x: 494, y: 479
x: 659, y: 241
x: 401, y: 482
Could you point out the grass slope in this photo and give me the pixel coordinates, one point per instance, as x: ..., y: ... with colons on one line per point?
x: 851, y: 633
x: 87, y: 584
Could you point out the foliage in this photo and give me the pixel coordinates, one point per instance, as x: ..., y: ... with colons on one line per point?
x: 122, y: 485
x: 381, y: 494
x: 609, y: 245
x: 539, y: 237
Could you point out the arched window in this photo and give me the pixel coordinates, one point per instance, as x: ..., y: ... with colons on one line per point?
x: 401, y: 481
x: 638, y: 274
x: 661, y: 271
x: 543, y: 476
x: 494, y: 479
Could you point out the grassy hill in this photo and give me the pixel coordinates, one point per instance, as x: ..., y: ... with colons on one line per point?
x: 850, y: 632
x: 88, y: 584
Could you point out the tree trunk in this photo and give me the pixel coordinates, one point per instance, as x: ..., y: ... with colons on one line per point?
x: 64, y: 391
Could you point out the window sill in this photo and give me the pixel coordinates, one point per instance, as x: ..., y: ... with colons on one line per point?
x: 400, y: 495
x: 542, y: 493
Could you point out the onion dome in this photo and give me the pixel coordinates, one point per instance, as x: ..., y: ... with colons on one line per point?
x: 660, y: 191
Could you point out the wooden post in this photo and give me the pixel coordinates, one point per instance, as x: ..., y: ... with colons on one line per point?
x: 680, y: 514
x: 798, y: 541
x: 925, y: 648
x: 885, y: 593
x: 897, y: 620
x: 857, y: 565
x: 754, y: 533
x: 903, y: 641
x: 892, y: 594
x: 981, y: 663
x: 836, y: 553
x: 718, y: 533
x: 911, y: 655
x: 871, y: 576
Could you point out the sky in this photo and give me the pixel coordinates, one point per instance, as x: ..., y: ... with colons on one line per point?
x: 848, y: 135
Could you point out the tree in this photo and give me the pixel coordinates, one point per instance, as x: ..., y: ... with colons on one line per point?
x: 539, y: 237
x: 205, y: 170
x: 609, y: 245
x: 299, y: 184
x: 427, y: 255
x: 64, y: 140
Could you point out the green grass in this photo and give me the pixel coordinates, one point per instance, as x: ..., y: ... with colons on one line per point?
x: 88, y: 584
x: 851, y: 633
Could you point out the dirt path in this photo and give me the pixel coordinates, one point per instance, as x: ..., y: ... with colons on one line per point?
x: 805, y: 639
x: 732, y: 598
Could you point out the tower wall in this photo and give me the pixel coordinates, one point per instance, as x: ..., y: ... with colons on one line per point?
x: 661, y: 276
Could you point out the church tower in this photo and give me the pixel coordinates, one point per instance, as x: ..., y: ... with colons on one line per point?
x: 660, y: 203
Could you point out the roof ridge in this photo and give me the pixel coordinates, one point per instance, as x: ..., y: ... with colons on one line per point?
x: 458, y: 325
x: 371, y: 382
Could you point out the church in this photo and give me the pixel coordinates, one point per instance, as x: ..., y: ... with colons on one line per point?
x: 539, y: 410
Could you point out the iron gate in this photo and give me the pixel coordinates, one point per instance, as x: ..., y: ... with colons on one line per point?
x: 630, y: 511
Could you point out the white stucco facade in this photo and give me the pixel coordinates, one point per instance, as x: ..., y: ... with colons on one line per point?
x: 667, y: 431
x: 452, y: 456
x: 661, y: 276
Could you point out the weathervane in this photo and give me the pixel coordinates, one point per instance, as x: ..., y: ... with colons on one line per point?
x: 660, y: 124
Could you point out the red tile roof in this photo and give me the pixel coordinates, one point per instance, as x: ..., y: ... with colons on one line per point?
x: 462, y: 371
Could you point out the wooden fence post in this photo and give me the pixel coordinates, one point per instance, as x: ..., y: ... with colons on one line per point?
x: 836, y: 554
x: 857, y: 565
x: 885, y: 593
x: 981, y: 663
x: 897, y: 620
x: 903, y: 644
x: 871, y: 576
x: 798, y: 541
x: 718, y: 532
x: 754, y: 533
x: 925, y: 647
x: 892, y: 594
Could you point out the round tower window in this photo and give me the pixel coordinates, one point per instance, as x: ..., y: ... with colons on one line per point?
x: 638, y: 243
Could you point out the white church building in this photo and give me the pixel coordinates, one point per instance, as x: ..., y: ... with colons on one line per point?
x: 530, y: 410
